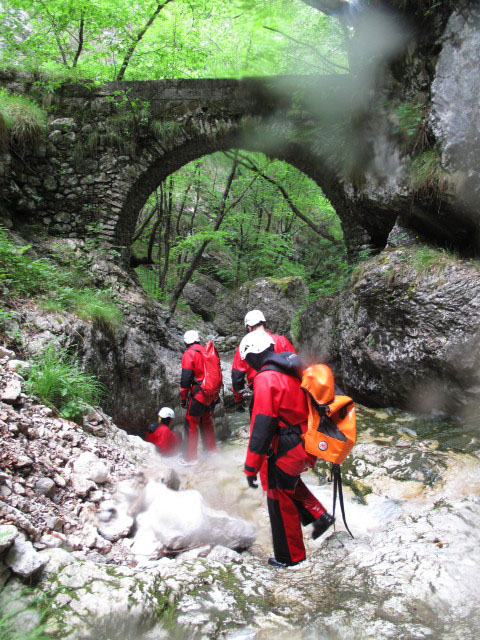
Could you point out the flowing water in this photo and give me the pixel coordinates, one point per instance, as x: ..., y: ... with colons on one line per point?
x: 412, y: 571
x: 412, y: 498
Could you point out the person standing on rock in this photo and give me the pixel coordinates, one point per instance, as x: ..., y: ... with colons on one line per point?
x: 254, y: 321
x: 276, y: 451
x: 162, y: 436
x: 199, y: 411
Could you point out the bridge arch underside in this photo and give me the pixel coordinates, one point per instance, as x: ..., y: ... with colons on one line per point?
x: 356, y: 235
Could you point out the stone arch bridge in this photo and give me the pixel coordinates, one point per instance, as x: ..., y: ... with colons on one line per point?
x: 108, y: 147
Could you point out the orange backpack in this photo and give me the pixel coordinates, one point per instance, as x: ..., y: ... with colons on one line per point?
x: 332, y: 430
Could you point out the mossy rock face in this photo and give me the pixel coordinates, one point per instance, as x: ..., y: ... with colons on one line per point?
x: 278, y: 298
x: 405, y: 333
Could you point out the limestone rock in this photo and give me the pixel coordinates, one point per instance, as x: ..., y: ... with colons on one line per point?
x: 18, y: 365
x: 416, y: 345
x: 22, y: 558
x: 11, y: 392
x: 224, y: 555
x: 201, y: 296
x: 91, y: 467
x: 23, y: 461
x: 45, y: 487
x: 278, y: 298
x: 8, y: 533
x: 455, y: 116
x: 82, y: 485
x: 6, y: 353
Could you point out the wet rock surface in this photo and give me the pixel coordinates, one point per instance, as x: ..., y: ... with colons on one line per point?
x: 137, y: 361
x: 278, y: 298
x: 404, y: 334
x: 412, y: 502
x: 455, y: 116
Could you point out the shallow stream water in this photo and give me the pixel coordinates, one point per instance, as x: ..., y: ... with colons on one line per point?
x: 412, y: 571
x: 413, y: 504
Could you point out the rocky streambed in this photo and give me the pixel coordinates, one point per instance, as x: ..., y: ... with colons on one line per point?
x: 412, y: 571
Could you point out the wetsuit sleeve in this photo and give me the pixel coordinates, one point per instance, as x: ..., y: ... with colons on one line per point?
x: 239, y: 372
x: 264, y: 423
x: 187, y: 377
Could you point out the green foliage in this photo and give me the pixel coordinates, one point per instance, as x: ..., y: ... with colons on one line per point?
x: 408, y: 116
x: 426, y: 172
x: 166, y: 130
x: 89, y: 304
x: 425, y: 258
x: 22, y: 122
x: 410, y: 124
x: 20, y: 274
x: 59, y: 381
x: 63, y: 282
x: 11, y: 611
x: 260, y: 236
x: 10, y: 332
x: 187, y: 38
x: 93, y: 140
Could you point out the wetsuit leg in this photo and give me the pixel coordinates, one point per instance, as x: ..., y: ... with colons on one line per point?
x: 207, y: 431
x: 309, y: 508
x: 287, y: 535
x: 191, y: 435
x: 284, y: 514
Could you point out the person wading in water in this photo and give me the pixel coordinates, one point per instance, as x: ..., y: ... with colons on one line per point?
x: 162, y: 435
x: 276, y: 451
x: 199, y: 405
x: 254, y: 321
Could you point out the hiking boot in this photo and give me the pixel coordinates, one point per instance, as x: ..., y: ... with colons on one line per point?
x: 281, y: 565
x: 321, y: 524
x: 276, y: 563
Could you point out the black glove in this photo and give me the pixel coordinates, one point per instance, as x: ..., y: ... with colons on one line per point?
x: 252, y: 482
x: 183, y: 404
x: 239, y: 408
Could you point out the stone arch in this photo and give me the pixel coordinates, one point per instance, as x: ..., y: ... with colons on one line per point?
x: 158, y: 161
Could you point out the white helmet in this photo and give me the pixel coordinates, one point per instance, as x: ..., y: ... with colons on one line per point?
x: 189, y: 337
x: 166, y: 412
x: 255, y: 342
x: 254, y: 317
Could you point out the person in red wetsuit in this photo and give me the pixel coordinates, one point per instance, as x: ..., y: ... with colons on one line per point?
x: 275, y: 449
x: 165, y: 440
x: 199, y: 414
x: 254, y: 321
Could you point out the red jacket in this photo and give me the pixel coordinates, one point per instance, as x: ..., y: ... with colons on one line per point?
x: 164, y: 439
x: 240, y: 368
x: 277, y: 395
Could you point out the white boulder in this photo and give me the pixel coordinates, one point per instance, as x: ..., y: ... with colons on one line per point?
x: 91, y: 467
x: 12, y: 391
x: 8, y: 533
x: 177, y: 520
x: 23, y: 559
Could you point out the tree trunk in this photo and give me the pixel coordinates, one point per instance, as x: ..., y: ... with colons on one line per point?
x: 80, y: 41
x: 198, y: 256
x: 138, y: 38
x: 166, y: 237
